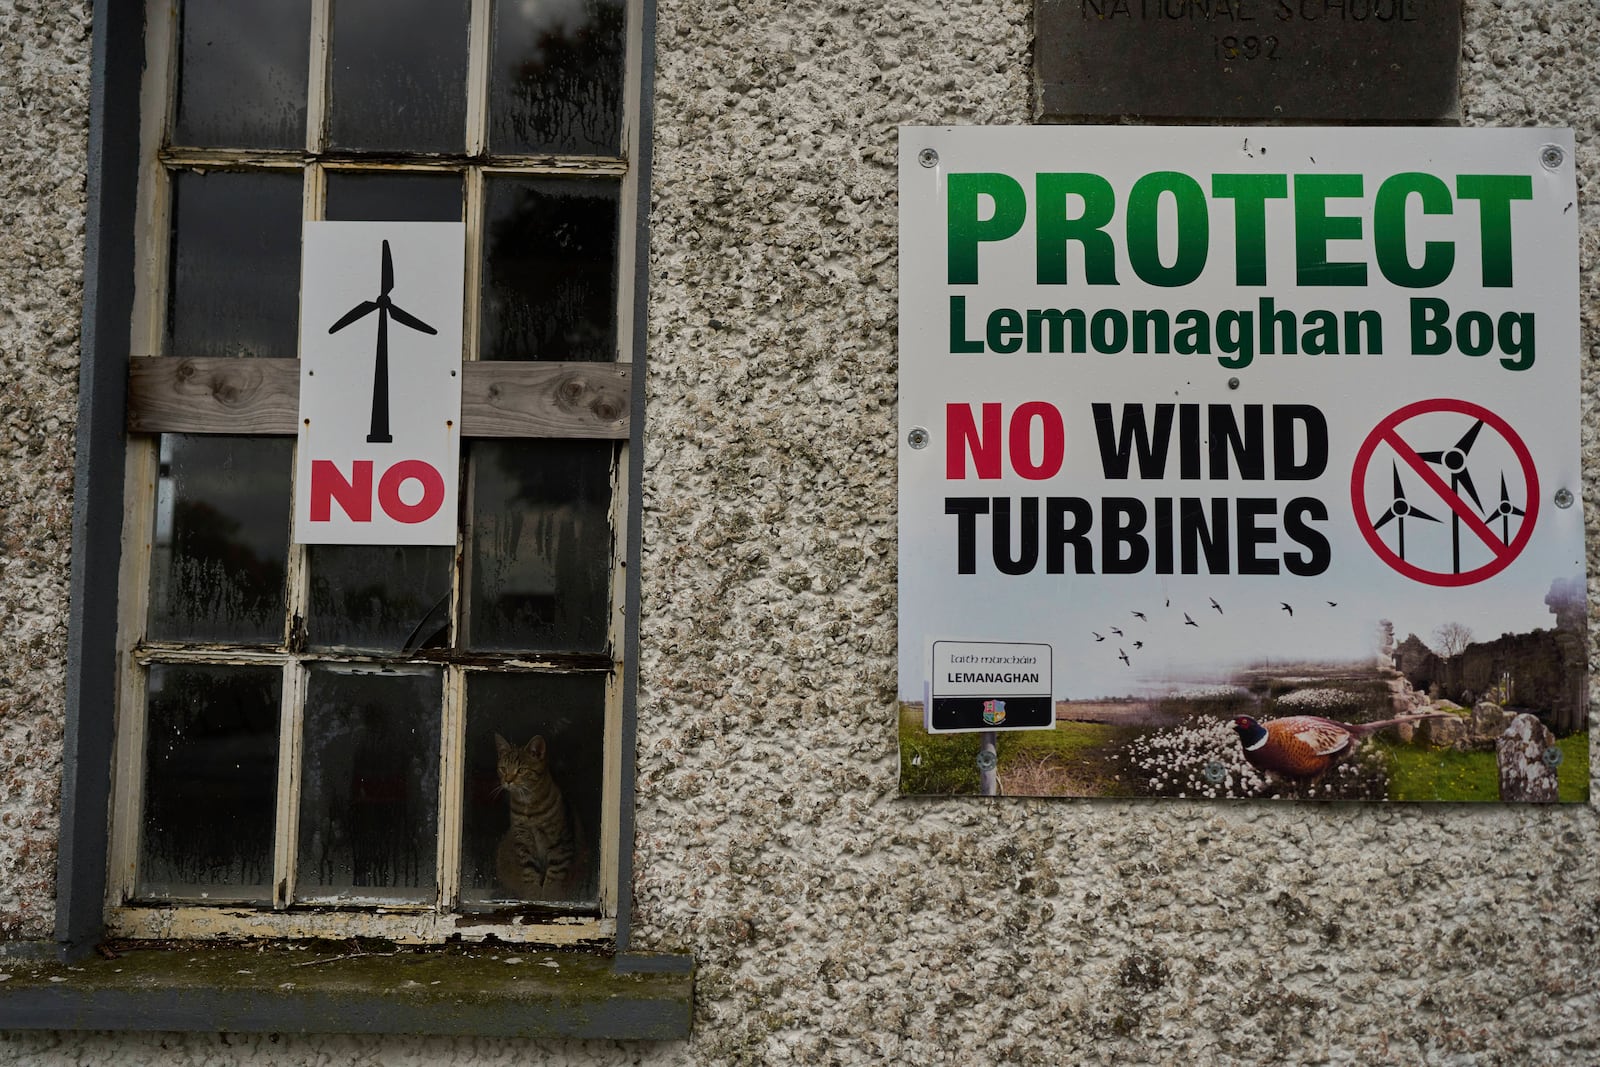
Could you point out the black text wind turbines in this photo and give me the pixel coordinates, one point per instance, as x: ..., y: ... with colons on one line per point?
x: 379, y: 429
x: 1454, y: 460
x: 1400, y: 511
x: 1503, y: 512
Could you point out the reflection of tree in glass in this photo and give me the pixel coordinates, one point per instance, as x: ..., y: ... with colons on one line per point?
x: 558, y: 83
x: 541, y: 546
x: 551, y: 280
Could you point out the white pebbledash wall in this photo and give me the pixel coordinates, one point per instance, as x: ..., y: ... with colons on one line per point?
x: 832, y: 921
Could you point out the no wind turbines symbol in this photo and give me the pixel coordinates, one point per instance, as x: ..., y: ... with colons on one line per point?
x: 384, y: 471
x: 386, y: 309
x: 1432, y: 449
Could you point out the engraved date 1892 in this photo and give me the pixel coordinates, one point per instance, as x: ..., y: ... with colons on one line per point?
x: 1233, y: 46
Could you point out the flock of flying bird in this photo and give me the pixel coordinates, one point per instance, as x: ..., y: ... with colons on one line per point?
x: 1188, y: 620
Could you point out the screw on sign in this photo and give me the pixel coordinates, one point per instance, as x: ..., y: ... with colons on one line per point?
x: 1409, y: 441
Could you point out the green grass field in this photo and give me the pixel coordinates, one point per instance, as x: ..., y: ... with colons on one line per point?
x: 1065, y: 761
x: 1433, y: 774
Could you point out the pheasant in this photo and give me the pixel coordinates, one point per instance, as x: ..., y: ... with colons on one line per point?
x: 1302, y: 748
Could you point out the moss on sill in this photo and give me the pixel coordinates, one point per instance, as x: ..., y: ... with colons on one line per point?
x: 322, y: 988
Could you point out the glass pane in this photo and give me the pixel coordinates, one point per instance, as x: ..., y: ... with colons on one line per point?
x: 210, y: 782
x: 557, y: 80
x: 242, y: 74
x: 399, y: 80
x: 235, y: 288
x: 379, y: 598
x: 367, y: 197
x: 550, y: 269
x: 369, y: 792
x: 539, y: 548
x: 533, y: 773
x: 221, y: 539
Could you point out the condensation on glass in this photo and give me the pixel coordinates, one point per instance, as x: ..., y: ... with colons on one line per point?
x: 557, y: 81
x: 539, y: 545
x: 242, y: 74
x: 391, y: 599
x: 210, y: 783
x: 234, y: 284
x: 549, y: 268
x: 399, y: 75
x: 568, y: 712
x: 369, y: 793
x: 220, y: 546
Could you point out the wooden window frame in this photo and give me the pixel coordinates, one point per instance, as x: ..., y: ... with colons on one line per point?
x: 185, y: 393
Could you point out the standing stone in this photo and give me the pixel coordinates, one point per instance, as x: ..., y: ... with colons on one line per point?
x: 1489, y: 720
x: 1525, y: 776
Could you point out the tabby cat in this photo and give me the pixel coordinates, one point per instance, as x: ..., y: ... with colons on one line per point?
x: 542, y: 855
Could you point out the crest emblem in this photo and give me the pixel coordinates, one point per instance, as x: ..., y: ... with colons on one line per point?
x: 994, y: 712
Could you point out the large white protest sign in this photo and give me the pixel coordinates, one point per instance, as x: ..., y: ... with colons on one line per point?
x: 1187, y: 403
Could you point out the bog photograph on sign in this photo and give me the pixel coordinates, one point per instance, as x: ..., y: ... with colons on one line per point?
x: 1265, y: 440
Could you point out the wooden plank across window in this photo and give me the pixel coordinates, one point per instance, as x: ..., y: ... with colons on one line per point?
x: 219, y: 394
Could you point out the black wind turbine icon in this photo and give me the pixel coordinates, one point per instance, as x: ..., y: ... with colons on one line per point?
x: 378, y: 431
x: 1454, y: 460
x: 1400, y: 511
x: 1503, y: 511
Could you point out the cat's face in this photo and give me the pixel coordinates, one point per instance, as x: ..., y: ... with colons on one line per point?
x: 519, y: 765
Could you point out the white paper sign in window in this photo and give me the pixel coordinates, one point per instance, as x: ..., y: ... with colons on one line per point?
x: 380, y: 383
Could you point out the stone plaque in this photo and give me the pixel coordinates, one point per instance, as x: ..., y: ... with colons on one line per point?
x: 1355, y: 60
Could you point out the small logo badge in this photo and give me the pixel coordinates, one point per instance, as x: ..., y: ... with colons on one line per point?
x: 994, y: 712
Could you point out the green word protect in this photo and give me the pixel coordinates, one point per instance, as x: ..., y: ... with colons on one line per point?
x: 1078, y: 209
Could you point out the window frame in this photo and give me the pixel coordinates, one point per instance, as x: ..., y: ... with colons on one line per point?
x: 121, y: 269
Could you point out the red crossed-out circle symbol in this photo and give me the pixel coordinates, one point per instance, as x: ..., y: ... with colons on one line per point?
x: 1390, y: 432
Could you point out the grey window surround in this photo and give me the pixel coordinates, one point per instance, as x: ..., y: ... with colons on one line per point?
x: 640, y: 995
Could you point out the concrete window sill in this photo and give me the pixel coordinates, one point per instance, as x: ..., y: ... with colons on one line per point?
x: 497, y: 992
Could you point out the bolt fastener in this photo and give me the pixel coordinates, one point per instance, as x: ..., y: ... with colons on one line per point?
x: 1563, y: 498
x: 987, y: 759
x: 1214, y: 772
x: 1552, y: 757
x: 1551, y: 156
x: 917, y: 437
x: 1233, y: 383
x: 928, y: 157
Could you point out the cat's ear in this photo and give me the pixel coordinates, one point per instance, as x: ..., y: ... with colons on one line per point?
x: 501, y: 745
x: 536, y: 746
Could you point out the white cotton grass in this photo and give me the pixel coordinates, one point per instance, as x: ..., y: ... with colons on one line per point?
x: 1203, y: 759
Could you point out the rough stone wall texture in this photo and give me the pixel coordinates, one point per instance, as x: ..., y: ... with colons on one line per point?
x: 835, y: 923
x: 44, y: 86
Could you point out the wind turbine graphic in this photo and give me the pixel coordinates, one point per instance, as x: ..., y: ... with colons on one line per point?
x: 1400, y: 511
x: 1454, y: 460
x: 378, y: 431
x: 1504, y: 511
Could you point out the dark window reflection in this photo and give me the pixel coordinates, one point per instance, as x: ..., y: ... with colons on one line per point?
x: 235, y: 276
x: 221, y: 539
x: 210, y: 783
x: 399, y: 79
x: 391, y: 197
x: 557, y: 80
x: 539, y: 548
x: 369, y: 794
x: 547, y: 855
x: 379, y: 598
x: 550, y: 269
x: 242, y: 74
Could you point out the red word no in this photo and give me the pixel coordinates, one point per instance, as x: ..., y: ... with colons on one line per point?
x: 354, y: 494
x: 965, y: 436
